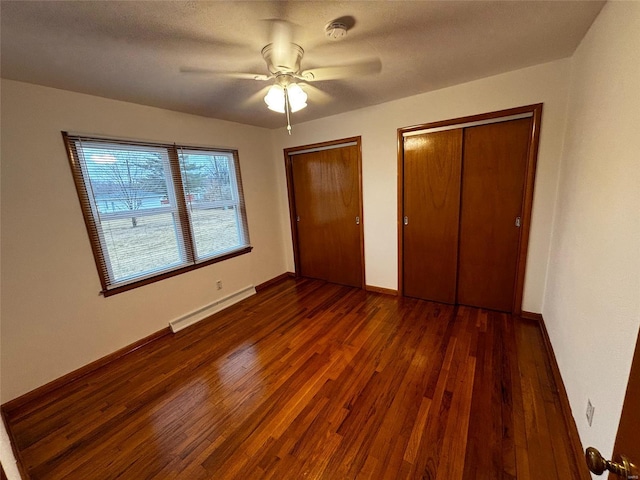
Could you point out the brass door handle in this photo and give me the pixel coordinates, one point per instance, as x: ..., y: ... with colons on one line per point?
x: 597, y: 464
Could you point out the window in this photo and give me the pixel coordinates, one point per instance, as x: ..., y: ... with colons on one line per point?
x: 155, y: 210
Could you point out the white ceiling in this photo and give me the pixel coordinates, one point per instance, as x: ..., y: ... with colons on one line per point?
x: 133, y: 50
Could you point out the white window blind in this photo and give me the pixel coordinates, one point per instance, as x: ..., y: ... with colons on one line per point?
x: 155, y: 210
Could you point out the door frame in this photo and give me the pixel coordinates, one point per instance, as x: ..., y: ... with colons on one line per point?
x: 630, y: 413
x: 291, y: 151
x: 527, y: 200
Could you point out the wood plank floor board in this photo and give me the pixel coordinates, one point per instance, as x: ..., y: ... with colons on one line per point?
x: 317, y: 381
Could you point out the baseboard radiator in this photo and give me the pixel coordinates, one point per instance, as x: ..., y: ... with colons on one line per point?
x: 208, y: 310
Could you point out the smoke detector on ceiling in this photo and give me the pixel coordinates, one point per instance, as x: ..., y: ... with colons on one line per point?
x: 336, y: 31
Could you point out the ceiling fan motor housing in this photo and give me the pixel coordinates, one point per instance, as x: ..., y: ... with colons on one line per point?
x: 288, y: 62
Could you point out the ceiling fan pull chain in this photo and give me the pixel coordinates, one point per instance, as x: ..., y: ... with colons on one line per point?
x: 287, y: 108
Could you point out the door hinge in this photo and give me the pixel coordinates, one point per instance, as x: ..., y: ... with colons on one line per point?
x: 517, y: 221
x: 357, y: 220
x: 406, y: 220
x: 297, y: 218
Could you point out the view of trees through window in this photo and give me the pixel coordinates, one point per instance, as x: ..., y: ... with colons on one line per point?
x: 212, y: 201
x: 135, y: 208
x: 124, y: 180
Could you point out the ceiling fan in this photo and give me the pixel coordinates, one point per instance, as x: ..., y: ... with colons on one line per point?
x: 283, y: 58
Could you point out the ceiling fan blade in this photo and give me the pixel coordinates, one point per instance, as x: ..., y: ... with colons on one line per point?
x: 256, y: 97
x: 316, y: 95
x: 241, y: 75
x: 366, y: 67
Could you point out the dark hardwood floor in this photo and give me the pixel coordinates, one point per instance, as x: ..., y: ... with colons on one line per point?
x: 313, y: 380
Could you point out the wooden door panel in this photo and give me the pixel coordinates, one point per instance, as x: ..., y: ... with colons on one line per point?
x: 326, y: 187
x: 627, y: 439
x: 432, y: 166
x: 495, y: 159
x: 305, y: 169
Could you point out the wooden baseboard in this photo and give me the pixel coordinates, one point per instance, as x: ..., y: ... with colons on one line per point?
x: 22, y: 400
x: 16, y: 403
x: 532, y: 316
x: 569, y: 421
x: 274, y: 280
x: 386, y: 291
x: 280, y: 278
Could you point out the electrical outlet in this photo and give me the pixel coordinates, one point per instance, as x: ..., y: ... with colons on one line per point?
x: 219, y: 284
x: 590, y: 410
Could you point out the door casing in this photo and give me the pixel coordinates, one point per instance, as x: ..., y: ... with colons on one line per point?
x: 527, y: 203
x: 288, y: 153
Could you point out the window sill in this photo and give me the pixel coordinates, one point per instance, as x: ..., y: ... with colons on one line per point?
x: 173, y: 273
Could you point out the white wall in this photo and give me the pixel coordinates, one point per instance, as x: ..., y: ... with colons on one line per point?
x: 592, y: 301
x: 53, y: 320
x: 7, y: 458
x: 378, y: 126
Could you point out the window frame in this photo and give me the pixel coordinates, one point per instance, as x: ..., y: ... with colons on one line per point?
x: 184, y: 228
x: 236, y: 202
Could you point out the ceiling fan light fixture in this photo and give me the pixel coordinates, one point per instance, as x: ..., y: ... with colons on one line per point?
x: 297, y: 97
x: 275, y: 98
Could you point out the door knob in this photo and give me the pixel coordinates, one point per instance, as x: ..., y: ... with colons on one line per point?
x: 597, y: 464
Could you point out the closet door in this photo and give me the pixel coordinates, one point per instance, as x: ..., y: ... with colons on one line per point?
x: 495, y: 160
x: 431, y: 205
x: 326, y: 186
